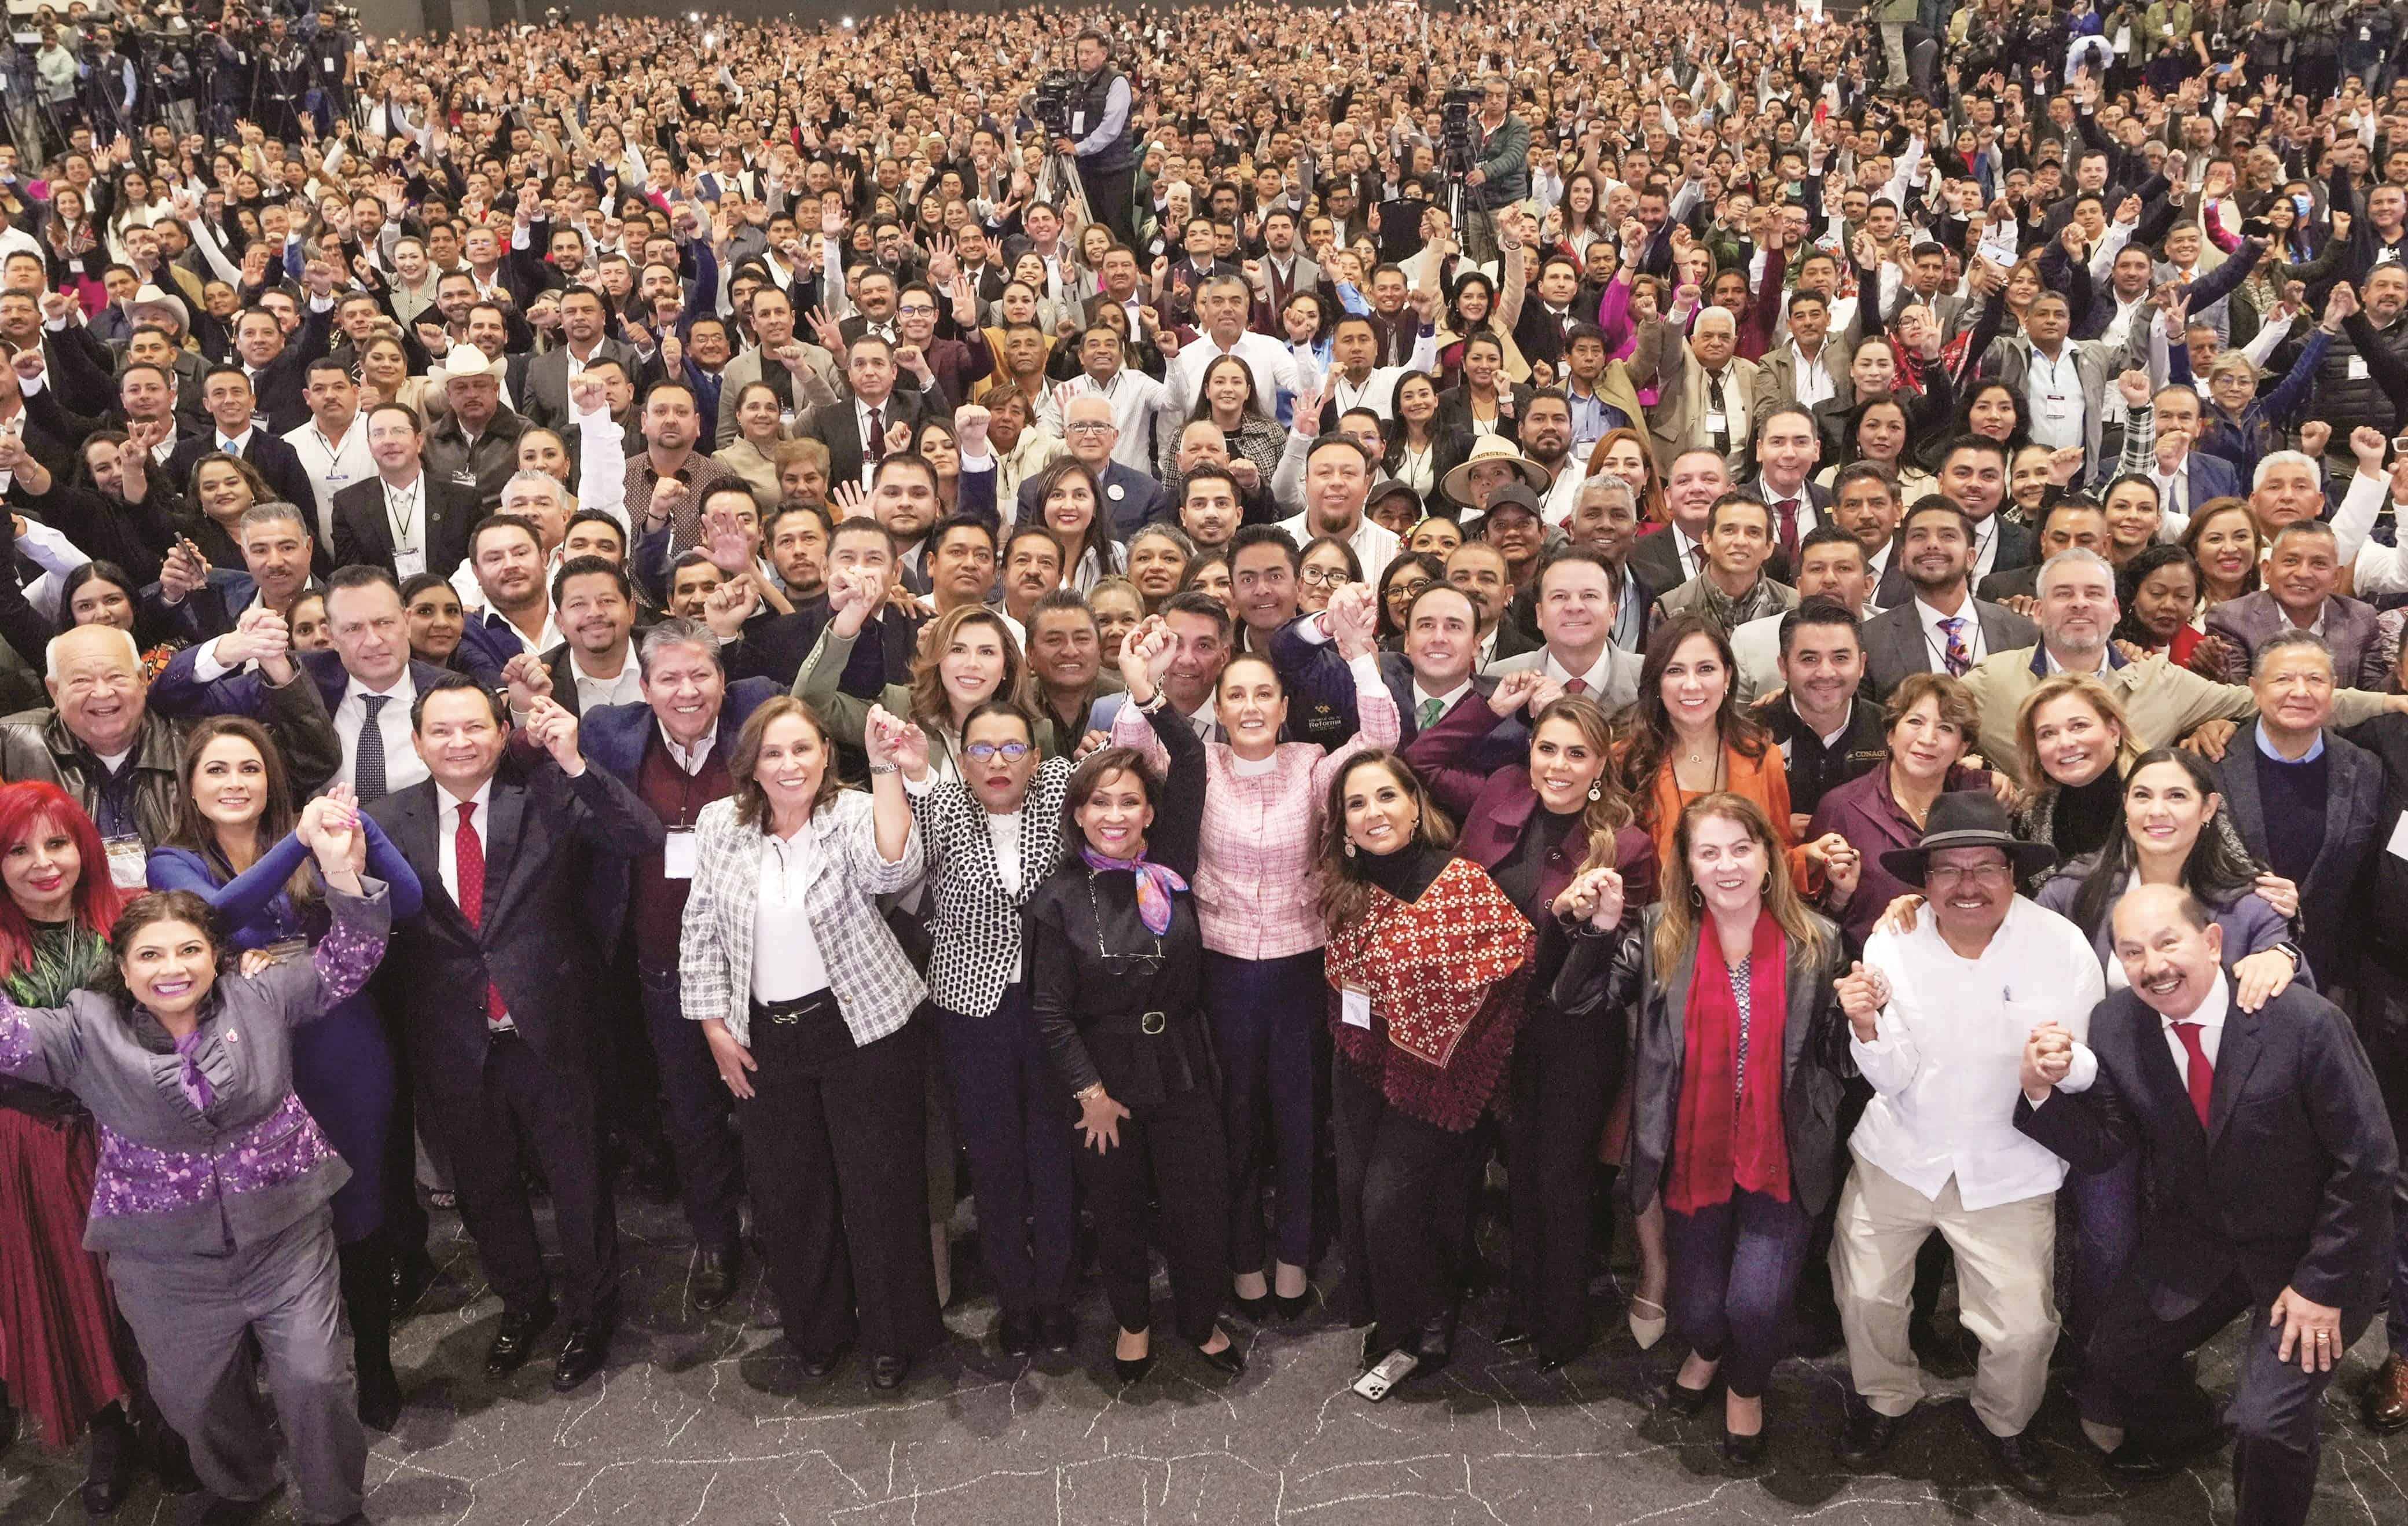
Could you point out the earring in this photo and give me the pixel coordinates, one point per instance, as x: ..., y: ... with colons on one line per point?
x: 1595, y: 790
x: 1350, y: 847
x: 1696, y: 898
x: 1766, y: 888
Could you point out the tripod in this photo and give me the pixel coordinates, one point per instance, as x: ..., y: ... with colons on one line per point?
x: 1058, y: 184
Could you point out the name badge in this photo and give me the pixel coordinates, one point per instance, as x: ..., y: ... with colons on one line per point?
x: 407, y: 563
x: 678, y: 854
x: 1716, y: 424
x: 127, y: 862
x: 1354, y: 1007
x: 1079, y: 123
x: 1116, y: 492
x: 2398, y: 847
x: 2357, y: 367
x: 463, y: 478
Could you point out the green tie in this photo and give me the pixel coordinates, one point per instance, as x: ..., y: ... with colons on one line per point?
x: 1432, y: 711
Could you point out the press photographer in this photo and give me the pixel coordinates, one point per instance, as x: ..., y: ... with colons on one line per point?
x: 1097, y: 134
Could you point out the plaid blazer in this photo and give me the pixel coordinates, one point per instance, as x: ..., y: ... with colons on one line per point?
x: 876, y: 988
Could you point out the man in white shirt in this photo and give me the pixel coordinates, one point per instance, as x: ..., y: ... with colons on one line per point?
x: 596, y: 606
x: 1222, y: 308
x: 1337, y: 476
x: 1355, y: 382
x: 1830, y: 565
x: 507, y: 552
x: 334, y: 445
x: 1939, y: 1018
x: 1142, y: 410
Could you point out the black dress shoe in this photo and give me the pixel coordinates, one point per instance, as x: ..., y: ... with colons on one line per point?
x: 1866, y: 1434
x: 714, y: 1279
x: 1291, y: 1308
x: 2143, y: 1461
x: 1675, y: 1398
x: 109, y: 1472
x: 818, y: 1366
x: 515, y: 1341
x: 1057, y: 1328
x: 1017, y: 1334
x: 580, y: 1357
x: 1256, y: 1309
x: 1743, y: 1452
x: 2024, y: 1466
x: 1228, y: 1360
x: 886, y: 1374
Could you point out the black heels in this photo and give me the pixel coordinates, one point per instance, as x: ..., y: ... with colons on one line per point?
x: 1228, y: 1361
x: 1743, y: 1452
x: 1677, y: 1398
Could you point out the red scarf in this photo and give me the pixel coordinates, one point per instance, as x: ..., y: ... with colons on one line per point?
x: 1727, y: 1135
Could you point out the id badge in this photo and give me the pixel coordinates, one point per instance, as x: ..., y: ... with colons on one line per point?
x: 127, y: 861
x: 1354, y: 1007
x: 1716, y: 424
x: 678, y: 854
x: 463, y: 478
x: 2358, y: 371
x: 408, y: 564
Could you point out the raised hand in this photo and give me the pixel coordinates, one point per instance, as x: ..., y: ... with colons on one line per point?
x: 728, y: 606
x: 969, y: 428
x: 555, y: 731
x: 1145, y: 657
x: 528, y: 680
x: 725, y: 541
x: 589, y: 395
x: 2134, y: 388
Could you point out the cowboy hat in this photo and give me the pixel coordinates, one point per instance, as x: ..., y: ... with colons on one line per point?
x: 152, y: 297
x: 462, y: 362
x: 1457, y: 484
x: 1967, y: 818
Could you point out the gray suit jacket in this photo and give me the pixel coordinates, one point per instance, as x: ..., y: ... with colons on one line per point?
x: 745, y: 369
x: 1621, y: 674
x: 1779, y: 384
x: 2098, y: 364
x: 2252, y: 620
x: 1896, y: 650
x: 547, y: 381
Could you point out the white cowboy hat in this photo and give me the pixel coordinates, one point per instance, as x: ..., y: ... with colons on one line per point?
x: 462, y: 362
x: 151, y: 296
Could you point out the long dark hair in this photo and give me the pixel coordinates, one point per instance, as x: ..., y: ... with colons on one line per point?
x: 2218, y: 871
x: 1647, y: 724
x: 95, y: 572
x: 196, y: 833
x: 1344, y: 889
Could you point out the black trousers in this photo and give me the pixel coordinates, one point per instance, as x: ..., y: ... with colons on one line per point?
x: 2136, y: 1378
x: 518, y: 1097
x: 1563, y: 1071
x: 2382, y: 1029
x: 701, y: 1139
x: 1400, y: 1205
x: 834, y: 1151
x: 1175, y: 1145
x: 1109, y: 199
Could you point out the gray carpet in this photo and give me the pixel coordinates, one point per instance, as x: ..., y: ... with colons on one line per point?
x: 706, y: 1421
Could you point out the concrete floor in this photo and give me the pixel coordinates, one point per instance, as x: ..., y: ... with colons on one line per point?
x: 703, y: 1420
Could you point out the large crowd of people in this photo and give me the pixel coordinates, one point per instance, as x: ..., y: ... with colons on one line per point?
x: 1786, y: 628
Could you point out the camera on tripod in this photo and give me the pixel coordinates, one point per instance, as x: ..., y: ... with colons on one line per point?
x: 1049, y: 104
x: 1455, y: 155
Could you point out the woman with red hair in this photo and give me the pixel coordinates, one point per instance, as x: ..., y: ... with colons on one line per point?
x: 59, y: 1329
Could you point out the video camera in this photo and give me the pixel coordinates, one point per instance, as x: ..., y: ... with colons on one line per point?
x: 1049, y: 104
x: 1455, y: 155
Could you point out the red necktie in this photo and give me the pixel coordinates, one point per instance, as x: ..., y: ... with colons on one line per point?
x: 873, y: 448
x: 1788, y: 532
x: 1576, y: 685
x: 2203, y: 1073
x: 470, y: 856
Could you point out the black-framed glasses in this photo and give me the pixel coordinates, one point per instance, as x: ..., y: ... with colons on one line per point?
x: 1324, y: 576
x: 987, y: 752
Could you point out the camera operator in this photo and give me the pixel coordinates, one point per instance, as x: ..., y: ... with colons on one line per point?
x: 331, y: 47
x: 1100, y: 135
x: 1500, y: 174
x: 114, y: 85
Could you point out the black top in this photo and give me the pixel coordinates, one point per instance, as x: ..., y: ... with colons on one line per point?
x: 2086, y: 816
x: 1815, y: 769
x: 1519, y: 872
x: 2294, y: 795
x: 1114, y: 1002
x: 1406, y: 873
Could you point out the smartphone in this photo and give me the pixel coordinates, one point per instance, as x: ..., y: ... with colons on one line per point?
x: 1391, y: 1368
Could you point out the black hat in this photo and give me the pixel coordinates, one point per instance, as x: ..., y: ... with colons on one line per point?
x: 1511, y: 495
x: 1967, y: 818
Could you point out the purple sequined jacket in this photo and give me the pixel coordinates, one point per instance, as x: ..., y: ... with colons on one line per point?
x: 176, y: 1177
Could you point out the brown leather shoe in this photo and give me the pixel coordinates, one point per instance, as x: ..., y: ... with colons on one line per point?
x: 2385, y: 1404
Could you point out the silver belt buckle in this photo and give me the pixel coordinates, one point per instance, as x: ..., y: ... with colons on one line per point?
x: 1152, y: 1022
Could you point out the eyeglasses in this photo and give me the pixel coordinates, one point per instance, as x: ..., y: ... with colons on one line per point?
x: 987, y: 752
x: 1324, y: 576
x: 914, y: 309
x: 1405, y: 588
x: 1085, y: 426
x: 1989, y: 875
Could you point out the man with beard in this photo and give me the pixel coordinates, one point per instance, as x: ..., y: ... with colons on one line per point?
x: 1827, y: 734
x: 1547, y: 441
x: 1942, y: 627
x: 1864, y: 503
x: 1065, y: 661
x: 1210, y: 509
x: 507, y: 552
x: 595, y: 665
x: 672, y: 425
x: 1337, y: 475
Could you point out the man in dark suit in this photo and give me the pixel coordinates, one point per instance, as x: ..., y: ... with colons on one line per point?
x: 542, y: 393
x: 1941, y: 627
x: 276, y: 369
x: 1429, y: 679
x: 1671, y: 556
x: 1129, y: 500
x: 2187, y: 477
x: 2306, y: 802
x: 238, y: 430
x: 498, y: 1025
x: 2064, y: 525
x: 2265, y: 1134
x: 846, y: 426
x: 1787, y: 445
x: 432, y: 515
x: 1973, y: 477
x: 672, y: 752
